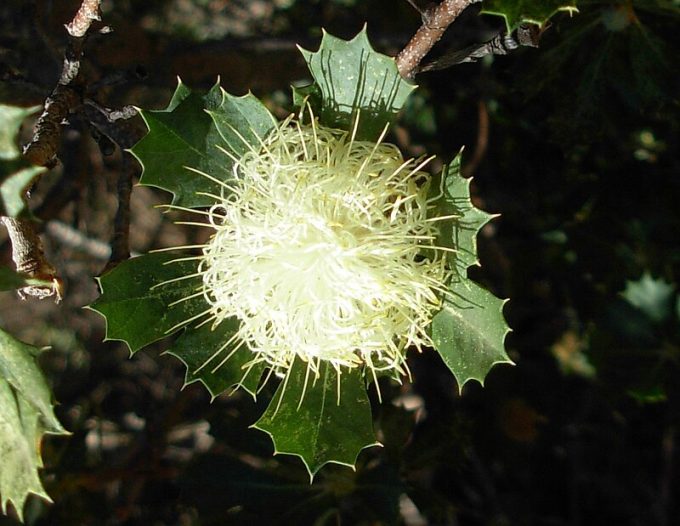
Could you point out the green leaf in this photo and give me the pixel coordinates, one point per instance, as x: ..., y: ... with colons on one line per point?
x: 15, y: 177
x: 26, y: 414
x: 183, y: 135
x: 309, y: 94
x: 243, y: 122
x: 469, y: 331
x: 10, y: 280
x: 203, y: 352
x: 353, y: 77
x: 517, y: 12
x: 11, y: 118
x: 138, y: 303
x: 652, y: 296
x: 188, y: 135
x: 306, y: 419
x: 460, y: 233
x: 15, y: 173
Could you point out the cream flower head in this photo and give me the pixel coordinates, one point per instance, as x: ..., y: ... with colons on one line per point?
x: 319, y: 249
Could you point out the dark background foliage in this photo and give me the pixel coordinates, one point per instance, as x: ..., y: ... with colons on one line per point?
x: 574, y: 144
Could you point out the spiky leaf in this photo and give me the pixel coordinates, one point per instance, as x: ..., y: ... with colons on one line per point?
x: 536, y: 12
x: 305, y: 418
x: 353, y: 77
x: 138, y: 303
x: 26, y: 414
x: 243, y: 122
x: 15, y: 177
x: 459, y: 233
x: 209, y: 359
x: 469, y: 331
x: 11, y: 118
x: 189, y: 134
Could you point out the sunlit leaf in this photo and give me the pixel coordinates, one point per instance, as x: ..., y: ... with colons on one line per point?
x: 322, y: 421
x: 15, y: 178
x: 189, y: 133
x: 353, y: 78
x: 140, y: 307
x: 26, y: 414
x: 215, y: 364
x: 11, y: 118
x: 459, y: 234
x: 469, y: 332
x: 537, y: 12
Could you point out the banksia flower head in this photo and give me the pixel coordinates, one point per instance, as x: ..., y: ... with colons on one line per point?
x: 319, y: 249
x: 329, y: 254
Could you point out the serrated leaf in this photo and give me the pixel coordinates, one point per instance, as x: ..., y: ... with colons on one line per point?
x: 208, y: 361
x: 15, y: 173
x: 138, y: 303
x: 469, y: 331
x: 189, y: 134
x: 15, y: 177
x: 26, y: 414
x: 652, y: 296
x: 306, y: 419
x: 353, y: 77
x: 11, y: 118
x: 183, y: 135
x: 243, y: 122
x: 460, y: 233
x: 517, y: 12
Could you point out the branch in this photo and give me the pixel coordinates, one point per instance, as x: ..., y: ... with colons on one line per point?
x: 29, y: 257
x: 27, y: 248
x: 120, y: 243
x: 435, y: 22
x: 66, y: 95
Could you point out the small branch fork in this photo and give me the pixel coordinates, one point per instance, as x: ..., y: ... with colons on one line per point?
x: 435, y: 22
x: 69, y: 97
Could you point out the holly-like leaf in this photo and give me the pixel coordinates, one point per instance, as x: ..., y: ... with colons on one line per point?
x: 26, y: 414
x: 187, y: 136
x: 469, y: 331
x: 15, y: 177
x: 243, y: 122
x: 652, y: 296
x: 214, y: 360
x: 183, y: 135
x: 10, y: 280
x: 307, y: 419
x: 460, y: 232
x: 15, y: 174
x: 143, y: 301
x: 11, y: 118
x: 518, y: 12
x: 352, y: 78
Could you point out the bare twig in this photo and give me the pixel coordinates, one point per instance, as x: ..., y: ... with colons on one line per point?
x: 67, y: 95
x: 120, y: 244
x: 88, y: 12
x: 29, y: 258
x: 27, y: 249
x: 482, y: 140
x: 435, y: 22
